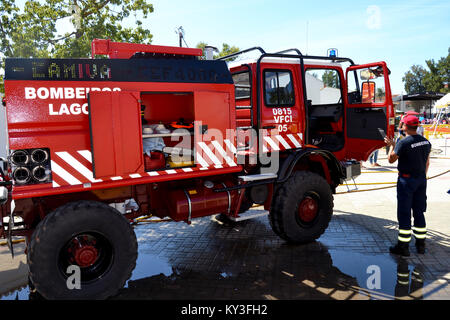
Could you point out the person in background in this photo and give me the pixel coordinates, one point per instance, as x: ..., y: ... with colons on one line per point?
x: 420, y: 129
x: 373, y: 159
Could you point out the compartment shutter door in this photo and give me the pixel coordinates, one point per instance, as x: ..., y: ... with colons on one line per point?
x: 116, y: 133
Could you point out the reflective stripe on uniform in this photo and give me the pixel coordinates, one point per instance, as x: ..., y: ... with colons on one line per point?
x: 402, y: 239
x: 420, y: 233
x: 404, y: 235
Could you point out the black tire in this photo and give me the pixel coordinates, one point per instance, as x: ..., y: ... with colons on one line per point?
x: 94, y: 226
x: 285, y: 218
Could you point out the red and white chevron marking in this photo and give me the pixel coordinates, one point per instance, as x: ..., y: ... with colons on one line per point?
x: 215, y: 154
x: 282, y: 142
x: 75, y: 168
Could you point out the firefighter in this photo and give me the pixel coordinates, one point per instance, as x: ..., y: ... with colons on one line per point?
x: 412, y: 154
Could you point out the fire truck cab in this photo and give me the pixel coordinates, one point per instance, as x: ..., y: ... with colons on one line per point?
x: 177, y: 136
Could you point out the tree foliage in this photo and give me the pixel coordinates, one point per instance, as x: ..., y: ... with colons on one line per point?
x: 226, y: 50
x: 436, y: 78
x: 330, y: 79
x: 31, y: 31
x: 413, y: 79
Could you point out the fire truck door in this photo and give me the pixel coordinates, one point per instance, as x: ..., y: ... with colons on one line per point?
x: 213, y: 119
x: 116, y: 133
x: 280, y: 109
x: 369, y: 110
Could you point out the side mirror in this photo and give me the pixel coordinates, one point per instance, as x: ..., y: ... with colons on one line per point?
x: 368, y: 92
x: 366, y: 74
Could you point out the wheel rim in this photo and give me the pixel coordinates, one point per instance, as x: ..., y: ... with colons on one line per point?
x: 308, y: 209
x: 90, y: 251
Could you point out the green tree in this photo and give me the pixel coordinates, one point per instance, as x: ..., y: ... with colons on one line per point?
x: 380, y: 95
x: 226, y: 50
x: 413, y: 79
x: 330, y: 79
x: 30, y: 32
x: 439, y: 75
x: 436, y: 78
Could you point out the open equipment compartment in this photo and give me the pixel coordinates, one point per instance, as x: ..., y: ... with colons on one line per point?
x: 168, y: 128
x: 137, y: 132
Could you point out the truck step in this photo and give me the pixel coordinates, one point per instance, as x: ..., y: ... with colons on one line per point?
x: 250, y: 214
x: 261, y: 176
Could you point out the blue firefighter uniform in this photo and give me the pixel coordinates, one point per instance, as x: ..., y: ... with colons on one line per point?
x: 412, y: 152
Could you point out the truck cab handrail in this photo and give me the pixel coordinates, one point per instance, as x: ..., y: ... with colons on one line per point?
x: 241, y: 52
x: 289, y: 50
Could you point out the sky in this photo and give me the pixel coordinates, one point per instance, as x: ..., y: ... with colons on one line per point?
x: 402, y: 33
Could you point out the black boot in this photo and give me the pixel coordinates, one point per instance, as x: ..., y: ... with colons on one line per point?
x: 420, y: 246
x: 401, y: 248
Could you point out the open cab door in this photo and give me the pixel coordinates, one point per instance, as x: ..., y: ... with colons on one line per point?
x: 369, y: 113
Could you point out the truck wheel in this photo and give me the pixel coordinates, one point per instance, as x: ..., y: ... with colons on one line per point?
x: 93, y: 237
x: 302, y: 208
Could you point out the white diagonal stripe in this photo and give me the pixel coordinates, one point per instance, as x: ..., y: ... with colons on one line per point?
x: 272, y: 143
x: 230, y: 146
x: 187, y: 169
x: 153, y: 173
x: 209, y: 153
x: 171, y: 171
x: 300, y: 135
x: 86, y: 154
x: 283, y: 142
x: 294, y: 141
x: 77, y: 166
x: 135, y: 175
x: 116, y: 178
x: 223, y: 153
x: 66, y: 176
x: 55, y: 185
x: 201, y: 161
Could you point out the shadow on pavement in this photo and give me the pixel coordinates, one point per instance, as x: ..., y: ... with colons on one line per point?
x: 213, y: 260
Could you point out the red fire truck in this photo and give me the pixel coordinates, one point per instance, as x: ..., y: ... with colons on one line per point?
x: 177, y: 136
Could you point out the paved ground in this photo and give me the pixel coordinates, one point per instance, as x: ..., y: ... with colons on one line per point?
x: 214, y: 260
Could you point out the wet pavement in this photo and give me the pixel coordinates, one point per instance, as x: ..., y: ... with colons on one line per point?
x: 214, y: 260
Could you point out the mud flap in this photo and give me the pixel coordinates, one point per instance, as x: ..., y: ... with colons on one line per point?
x: 9, y: 239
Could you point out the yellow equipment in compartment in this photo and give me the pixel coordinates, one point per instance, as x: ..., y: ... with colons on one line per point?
x: 177, y: 161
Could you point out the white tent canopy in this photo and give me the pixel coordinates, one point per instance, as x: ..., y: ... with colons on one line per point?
x: 443, y: 102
